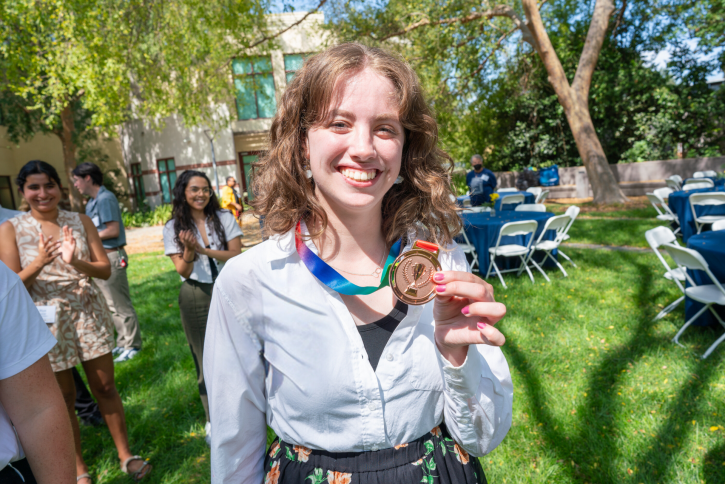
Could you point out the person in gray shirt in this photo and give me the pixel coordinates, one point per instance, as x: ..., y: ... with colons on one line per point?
x: 105, y: 213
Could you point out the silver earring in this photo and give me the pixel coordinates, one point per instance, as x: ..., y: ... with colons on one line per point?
x: 399, y: 180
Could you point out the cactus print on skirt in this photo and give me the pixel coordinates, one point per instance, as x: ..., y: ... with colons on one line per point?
x: 433, y: 459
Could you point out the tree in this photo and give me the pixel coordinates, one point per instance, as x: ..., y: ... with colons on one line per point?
x: 465, y: 34
x: 68, y: 66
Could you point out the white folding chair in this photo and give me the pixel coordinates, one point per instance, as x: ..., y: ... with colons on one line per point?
x: 507, y: 190
x: 468, y: 248
x: 696, y: 184
x: 673, y: 185
x: 511, y: 199
x: 698, y: 174
x: 663, y: 210
x: 530, y: 207
x: 572, y: 212
x: 709, y: 173
x: 542, y: 196
x: 718, y: 225
x: 657, y: 237
x: 676, y: 178
x: 558, y: 223
x: 706, y: 199
x: 513, y: 250
x: 664, y: 193
x: 707, y: 294
x: 535, y: 190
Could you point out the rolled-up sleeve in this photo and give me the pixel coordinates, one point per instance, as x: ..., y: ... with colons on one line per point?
x: 479, y: 394
x: 478, y: 399
x: 234, y: 375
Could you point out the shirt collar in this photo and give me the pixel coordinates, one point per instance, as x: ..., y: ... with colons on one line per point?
x: 281, y: 246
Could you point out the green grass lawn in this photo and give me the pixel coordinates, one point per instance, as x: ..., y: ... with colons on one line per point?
x: 612, y: 232
x: 614, y: 211
x: 601, y: 393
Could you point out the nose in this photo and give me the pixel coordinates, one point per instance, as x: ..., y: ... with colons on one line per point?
x: 361, y: 146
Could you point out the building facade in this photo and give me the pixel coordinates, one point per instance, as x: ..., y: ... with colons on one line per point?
x: 154, y: 158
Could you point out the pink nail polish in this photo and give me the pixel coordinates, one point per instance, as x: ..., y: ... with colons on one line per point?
x: 438, y: 277
x: 465, y: 310
x: 481, y: 325
x: 441, y: 288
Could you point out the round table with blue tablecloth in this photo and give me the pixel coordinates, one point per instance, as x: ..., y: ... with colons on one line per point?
x: 528, y: 198
x: 679, y: 203
x: 482, y: 231
x: 711, y: 245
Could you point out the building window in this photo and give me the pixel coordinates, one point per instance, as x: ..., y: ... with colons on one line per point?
x: 6, y: 193
x: 292, y: 64
x: 254, y: 84
x: 137, y: 182
x: 167, y: 178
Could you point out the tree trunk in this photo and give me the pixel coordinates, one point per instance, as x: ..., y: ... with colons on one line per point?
x: 575, y: 98
x: 69, y: 155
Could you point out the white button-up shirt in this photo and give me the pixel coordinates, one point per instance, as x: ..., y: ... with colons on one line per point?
x: 283, y: 350
x: 202, y: 267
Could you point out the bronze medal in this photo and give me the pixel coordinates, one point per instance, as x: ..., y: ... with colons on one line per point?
x: 411, y: 275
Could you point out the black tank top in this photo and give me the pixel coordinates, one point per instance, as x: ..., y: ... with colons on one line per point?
x: 376, y: 334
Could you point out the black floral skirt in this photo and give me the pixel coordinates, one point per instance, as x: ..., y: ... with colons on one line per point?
x: 433, y: 459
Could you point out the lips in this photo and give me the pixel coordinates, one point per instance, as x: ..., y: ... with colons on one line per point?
x: 358, y: 175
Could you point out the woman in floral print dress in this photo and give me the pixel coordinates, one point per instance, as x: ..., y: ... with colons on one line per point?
x: 57, y: 254
x: 353, y: 175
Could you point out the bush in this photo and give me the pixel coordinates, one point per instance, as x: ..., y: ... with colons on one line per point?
x: 146, y: 217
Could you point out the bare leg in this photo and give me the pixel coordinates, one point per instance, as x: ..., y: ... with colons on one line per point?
x: 99, y: 372
x: 68, y: 389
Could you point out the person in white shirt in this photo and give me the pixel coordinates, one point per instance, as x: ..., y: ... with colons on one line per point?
x: 30, y: 400
x: 353, y: 383
x: 199, y: 238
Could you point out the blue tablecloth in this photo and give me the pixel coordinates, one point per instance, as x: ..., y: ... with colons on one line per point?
x: 679, y: 203
x: 482, y: 230
x: 528, y: 198
x: 712, y: 247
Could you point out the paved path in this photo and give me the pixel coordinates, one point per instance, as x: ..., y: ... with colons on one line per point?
x: 150, y: 239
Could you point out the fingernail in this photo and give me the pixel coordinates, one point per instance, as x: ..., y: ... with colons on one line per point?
x: 441, y: 288
x: 466, y: 310
x: 481, y: 325
x: 438, y: 277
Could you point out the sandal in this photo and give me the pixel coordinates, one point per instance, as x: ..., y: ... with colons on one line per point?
x: 141, y: 472
x: 85, y: 476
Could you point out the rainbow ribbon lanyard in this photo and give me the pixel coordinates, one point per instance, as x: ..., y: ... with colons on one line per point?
x: 331, y: 278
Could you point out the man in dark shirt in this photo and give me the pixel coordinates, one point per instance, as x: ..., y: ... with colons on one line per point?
x: 105, y: 213
x: 481, y: 182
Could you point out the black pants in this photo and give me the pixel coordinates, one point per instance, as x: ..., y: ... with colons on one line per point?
x: 12, y: 473
x: 85, y: 405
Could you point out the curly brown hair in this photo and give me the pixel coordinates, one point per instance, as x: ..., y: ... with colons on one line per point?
x: 284, y: 195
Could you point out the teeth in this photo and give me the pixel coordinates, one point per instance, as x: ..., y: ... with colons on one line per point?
x: 358, y: 175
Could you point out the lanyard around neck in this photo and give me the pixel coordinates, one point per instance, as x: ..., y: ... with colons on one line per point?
x: 331, y: 278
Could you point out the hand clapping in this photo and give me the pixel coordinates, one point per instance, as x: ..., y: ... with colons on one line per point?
x: 68, y: 249
x: 188, y: 238
x: 47, y: 250
x: 465, y: 313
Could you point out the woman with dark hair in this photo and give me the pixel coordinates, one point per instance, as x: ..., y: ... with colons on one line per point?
x: 357, y: 331
x: 199, y: 239
x: 57, y: 254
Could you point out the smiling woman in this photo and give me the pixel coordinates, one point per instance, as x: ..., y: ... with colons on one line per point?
x: 354, y: 379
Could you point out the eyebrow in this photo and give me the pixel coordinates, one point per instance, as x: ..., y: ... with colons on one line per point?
x: 379, y: 117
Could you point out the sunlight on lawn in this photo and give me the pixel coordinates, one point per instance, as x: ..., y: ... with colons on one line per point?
x: 601, y: 393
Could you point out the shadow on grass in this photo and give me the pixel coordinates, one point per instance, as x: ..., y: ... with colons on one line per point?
x: 593, y: 451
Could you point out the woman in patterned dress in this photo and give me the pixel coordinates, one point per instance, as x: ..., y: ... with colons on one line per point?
x: 57, y: 253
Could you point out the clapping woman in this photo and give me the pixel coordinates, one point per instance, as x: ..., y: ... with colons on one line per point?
x: 57, y: 254
x: 199, y: 239
x: 361, y: 383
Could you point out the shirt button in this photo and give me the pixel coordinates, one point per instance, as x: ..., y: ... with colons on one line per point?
x: 372, y: 406
x: 389, y: 357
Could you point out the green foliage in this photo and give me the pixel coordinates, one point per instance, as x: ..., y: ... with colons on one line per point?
x: 459, y: 184
x: 146, y: 217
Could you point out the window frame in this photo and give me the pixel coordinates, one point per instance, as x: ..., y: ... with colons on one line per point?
x: 254, y: 74
x: 140, y: 197
x: 166, y: 173
x: 10, y: 189
x: 305, y: 56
